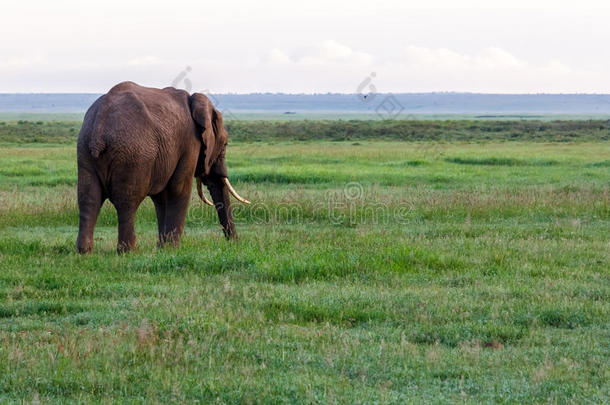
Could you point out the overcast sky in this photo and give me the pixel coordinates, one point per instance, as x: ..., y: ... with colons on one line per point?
x: 308, y: 46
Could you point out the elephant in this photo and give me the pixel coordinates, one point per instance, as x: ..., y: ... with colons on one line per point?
x: 139, y: 141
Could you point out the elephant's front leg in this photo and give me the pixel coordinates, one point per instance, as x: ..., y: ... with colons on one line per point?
x: 160, y: 208
x: 176, y: 208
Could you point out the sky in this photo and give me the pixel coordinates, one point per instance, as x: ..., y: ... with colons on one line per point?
x: 307, y: 46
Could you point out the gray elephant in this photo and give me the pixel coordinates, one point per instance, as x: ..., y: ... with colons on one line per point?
x: 138, y: 141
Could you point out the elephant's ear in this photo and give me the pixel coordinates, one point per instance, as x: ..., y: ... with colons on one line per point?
x: 214, y: 136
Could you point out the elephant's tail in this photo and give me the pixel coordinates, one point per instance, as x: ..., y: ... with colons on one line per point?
x: 97, y: 139
x: 97, y: 145
x: 91, y: 137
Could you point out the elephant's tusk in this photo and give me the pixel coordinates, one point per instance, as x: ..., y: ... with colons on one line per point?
x: 200, y: 192
x: 233, y: 192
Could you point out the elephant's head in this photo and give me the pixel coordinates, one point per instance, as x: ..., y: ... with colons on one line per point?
x: 212, y: 166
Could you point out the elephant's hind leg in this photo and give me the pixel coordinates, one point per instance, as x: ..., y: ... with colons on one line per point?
x: 90, y: 200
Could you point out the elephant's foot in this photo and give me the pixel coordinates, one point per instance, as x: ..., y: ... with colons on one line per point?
x: 84, y: 246
x: 125, y: 247
x: 171, y: 239
x: 84, y: 249
x: 167, y: 244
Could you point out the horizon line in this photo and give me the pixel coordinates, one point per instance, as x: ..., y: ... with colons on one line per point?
x: 338, y: 93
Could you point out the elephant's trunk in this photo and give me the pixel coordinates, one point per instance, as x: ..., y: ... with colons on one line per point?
x: 221, y: 197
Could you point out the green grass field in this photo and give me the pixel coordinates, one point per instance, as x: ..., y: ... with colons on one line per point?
x: 366, y: 272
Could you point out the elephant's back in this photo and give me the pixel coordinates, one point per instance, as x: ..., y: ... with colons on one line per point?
x: 135, y: 121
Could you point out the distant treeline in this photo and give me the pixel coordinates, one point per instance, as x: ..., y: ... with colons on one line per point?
x: 39, y: 131
x: 414, y: 130
x: 338, y: 130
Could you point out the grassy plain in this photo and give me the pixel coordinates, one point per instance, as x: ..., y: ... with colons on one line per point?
x: 366, y: 272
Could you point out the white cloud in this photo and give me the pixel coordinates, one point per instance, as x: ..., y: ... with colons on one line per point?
x: 556, y: 67
x: 22, y: 61
x: 276, y: 57
x: 144, y: 61
x: 492, y: 58
x: 490, y: 70
x: 330, y: 52
x: 328, y: 66
x: 332, y: 66
x: 324, y: 53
